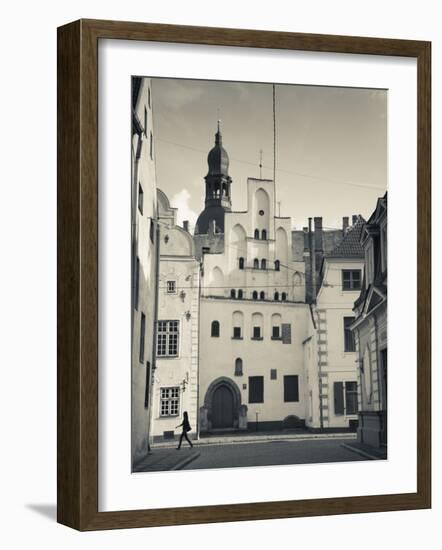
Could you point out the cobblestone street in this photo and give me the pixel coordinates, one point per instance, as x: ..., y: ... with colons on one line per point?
x: 231, y: 453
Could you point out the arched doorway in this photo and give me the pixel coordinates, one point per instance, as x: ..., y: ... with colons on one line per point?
x: 222, y: 408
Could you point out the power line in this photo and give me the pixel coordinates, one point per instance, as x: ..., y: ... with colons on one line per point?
x: 301, y: 174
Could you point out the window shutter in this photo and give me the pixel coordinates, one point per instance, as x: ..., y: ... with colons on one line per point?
x: 338, y: 391
x: 286, y: 333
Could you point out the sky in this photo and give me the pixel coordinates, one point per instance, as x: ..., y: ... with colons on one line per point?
x: 331, y: 145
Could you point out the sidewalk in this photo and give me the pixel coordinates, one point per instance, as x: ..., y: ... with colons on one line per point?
x: 257, y: 437
x: 366, y: 451
x: 165, y: 459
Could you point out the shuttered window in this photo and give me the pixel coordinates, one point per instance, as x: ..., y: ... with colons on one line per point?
x: 351, y: 397
x: 291, y: 388
x: 256, y: 389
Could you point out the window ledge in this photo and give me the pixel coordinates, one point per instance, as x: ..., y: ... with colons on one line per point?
x: 276, y: 338
x: 260, y: 338
x: 237, y: 338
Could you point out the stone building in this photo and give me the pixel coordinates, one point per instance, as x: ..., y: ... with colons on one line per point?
x: 175, y: 387
x: 144, y: 257
x: 370, y: 329
x: 253, y: 311
x: 330, y: 352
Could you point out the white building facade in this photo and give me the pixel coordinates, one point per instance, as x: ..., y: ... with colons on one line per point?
x: 175, y: 387
x: 331, y: 357
x: 253, y: 316
x: 144, y: 264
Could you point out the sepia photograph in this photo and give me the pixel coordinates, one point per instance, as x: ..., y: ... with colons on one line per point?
x: 259, y: 274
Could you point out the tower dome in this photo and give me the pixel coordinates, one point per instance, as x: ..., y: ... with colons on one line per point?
x: 217, y: 200
x: 218, y: 159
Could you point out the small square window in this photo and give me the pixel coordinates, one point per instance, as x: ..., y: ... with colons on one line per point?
x: 171, y: 287
x: 351, y: 279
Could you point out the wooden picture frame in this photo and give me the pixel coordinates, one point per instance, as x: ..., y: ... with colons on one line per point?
x: 78, y: 274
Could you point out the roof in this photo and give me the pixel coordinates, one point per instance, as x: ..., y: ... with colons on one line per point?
x: 350, y: 246
x: 209, y: 215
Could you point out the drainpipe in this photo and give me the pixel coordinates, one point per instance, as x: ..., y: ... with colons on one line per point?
x: 155, y: 327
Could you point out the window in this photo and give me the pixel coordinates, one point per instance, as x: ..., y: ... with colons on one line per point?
x: 291, y: 389
x: 233, y: 293
x: 263, y: 264
x: 238, y: 367
x: 167, y: 339
x: 256, y: 389
x: 277, y: 265
x: 276, y: 326
x: 256, y: 234
x: 237, y: 323
x: 142, y: 336
x: 171, y: 287
x: 215, y: 329
x: 273, y: 374
x: 241, y: 263
x: 261, y: 212
x: 351, y: 397
x: 240, y: 293
x: 140, y: 198
x: 264, y: 235
x: 276, y: 296
x: 345, y: 396
x: 284, y: 296
x: 256, y: 263
x: 147, y: 389
x: 145, y: 121
x: 349, y: 341
x: 257, y: 326
x: 255, y: 295
x: 137, y: 283
x: 351, y: 279
x: 170, y: 401
x: 151, y: 145
x: 262, y: 295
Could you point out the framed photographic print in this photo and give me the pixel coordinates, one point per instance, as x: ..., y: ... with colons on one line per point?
x: 243, y: 275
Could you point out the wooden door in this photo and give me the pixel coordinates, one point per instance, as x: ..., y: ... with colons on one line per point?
x: 222, y: 408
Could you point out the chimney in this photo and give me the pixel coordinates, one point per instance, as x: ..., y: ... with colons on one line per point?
x: 344, y: 224
x: 186, y: 225
x: 306, y: 236
x: 354, y: 219
x: 318, y: 235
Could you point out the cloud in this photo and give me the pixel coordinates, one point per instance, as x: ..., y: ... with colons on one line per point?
x: 181, y: 201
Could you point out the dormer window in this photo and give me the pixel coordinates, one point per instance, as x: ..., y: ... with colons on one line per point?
x: 351, y: 279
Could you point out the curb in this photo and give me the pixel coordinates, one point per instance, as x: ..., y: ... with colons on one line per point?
x: 186, y: 461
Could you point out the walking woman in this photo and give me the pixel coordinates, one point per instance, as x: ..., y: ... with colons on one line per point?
x: 186, y: 428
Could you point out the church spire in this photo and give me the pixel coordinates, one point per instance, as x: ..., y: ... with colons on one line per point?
x: 218, y: 181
